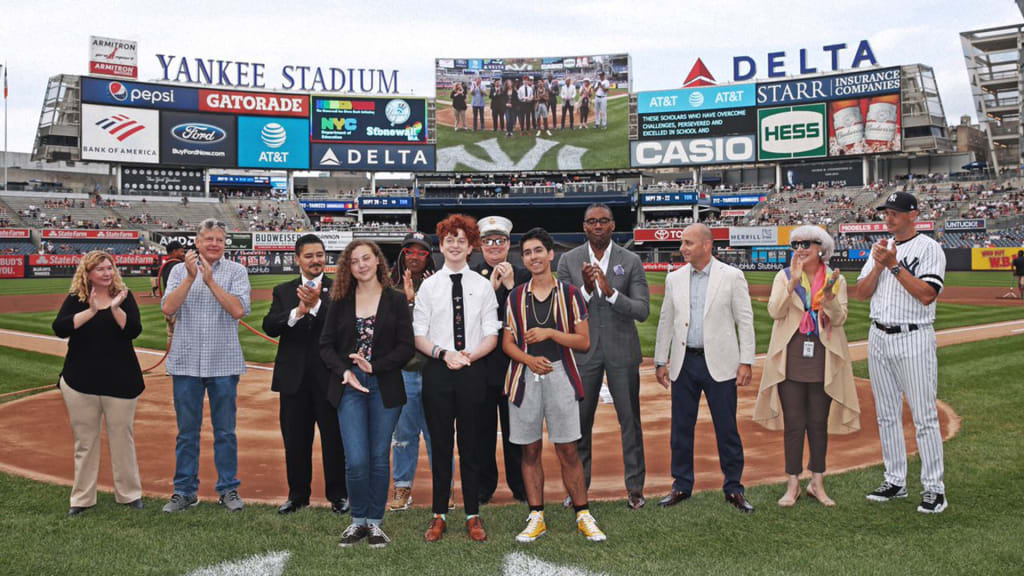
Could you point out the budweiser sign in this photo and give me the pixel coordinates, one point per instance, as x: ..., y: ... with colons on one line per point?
x: 872, y: 227
x: 91, y: 234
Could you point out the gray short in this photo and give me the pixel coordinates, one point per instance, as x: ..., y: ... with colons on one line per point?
x: 550, y: 399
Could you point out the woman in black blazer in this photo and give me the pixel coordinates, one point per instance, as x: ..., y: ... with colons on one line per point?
x: 366, y: 340
x: 101, y: 379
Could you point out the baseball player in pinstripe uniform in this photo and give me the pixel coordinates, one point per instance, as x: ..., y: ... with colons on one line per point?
x: 903, y: 278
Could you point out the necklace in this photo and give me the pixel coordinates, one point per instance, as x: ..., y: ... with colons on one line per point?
x: 533, y: 309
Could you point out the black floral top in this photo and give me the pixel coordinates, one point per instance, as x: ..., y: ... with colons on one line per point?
x: 364, y: 333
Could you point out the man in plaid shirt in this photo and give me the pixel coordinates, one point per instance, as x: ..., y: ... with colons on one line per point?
x: 208, y: 295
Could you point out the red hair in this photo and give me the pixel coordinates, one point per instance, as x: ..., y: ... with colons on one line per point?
x: 451, y: 225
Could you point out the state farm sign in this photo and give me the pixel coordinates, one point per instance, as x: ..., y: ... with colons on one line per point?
x: 91, y: 234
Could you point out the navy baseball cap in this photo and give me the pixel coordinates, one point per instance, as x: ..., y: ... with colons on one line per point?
x: 416, y: 238
x: 900, y: 202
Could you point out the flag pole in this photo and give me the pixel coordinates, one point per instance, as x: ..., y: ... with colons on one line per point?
x: 5, y: 126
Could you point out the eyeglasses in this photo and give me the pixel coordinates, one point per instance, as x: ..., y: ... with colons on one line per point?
x: 596, y: 221
x: 499, y: 241
x: 415, y: 252
x: 805, y: 244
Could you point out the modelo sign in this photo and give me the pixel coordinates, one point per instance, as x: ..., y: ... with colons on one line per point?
x: 692, y: 151
x: 792, y: 132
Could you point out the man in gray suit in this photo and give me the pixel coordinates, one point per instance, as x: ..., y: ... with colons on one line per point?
x: 614, y: 285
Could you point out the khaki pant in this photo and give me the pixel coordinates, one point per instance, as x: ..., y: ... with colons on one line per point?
x: 85, y: 412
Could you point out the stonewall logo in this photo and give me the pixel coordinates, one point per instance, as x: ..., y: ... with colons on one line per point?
x: 120, y: 126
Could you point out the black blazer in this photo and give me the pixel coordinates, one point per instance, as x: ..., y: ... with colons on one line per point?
x: 392, y: 345
x: 298, y: 350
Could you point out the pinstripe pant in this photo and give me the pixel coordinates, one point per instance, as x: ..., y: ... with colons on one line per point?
x: 905, y: 364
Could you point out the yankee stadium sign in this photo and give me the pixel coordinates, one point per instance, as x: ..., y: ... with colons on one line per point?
x: 240, y: 74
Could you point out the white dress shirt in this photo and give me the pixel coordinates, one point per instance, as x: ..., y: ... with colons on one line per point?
x: 603, y: 265
x: 569, y: 93
x: 294, y: 316
x: 432, y: 314
x: 525, y: 93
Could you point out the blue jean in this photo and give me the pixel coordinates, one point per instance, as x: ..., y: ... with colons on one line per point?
x: 366, y: 429
x: 411, y: 423
x: 188, y: 405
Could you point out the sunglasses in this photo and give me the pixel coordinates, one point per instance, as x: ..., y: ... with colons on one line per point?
x: 415, y: 252
x: 499, y: 241
x: 596, y: 221
x: 805, y: 244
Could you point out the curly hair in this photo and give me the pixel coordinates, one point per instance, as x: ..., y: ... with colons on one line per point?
x: 345, y: 282
x: 80, y: 281
x: 451, y: 225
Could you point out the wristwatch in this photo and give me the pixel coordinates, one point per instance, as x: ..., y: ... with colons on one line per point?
x: 440, y: 355
x: 659, y: 365
x: 895, y: 270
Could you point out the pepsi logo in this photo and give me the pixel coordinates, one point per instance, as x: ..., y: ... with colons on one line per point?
x: 198, y: 133
x: 118, y: 91
x: 273, y: 135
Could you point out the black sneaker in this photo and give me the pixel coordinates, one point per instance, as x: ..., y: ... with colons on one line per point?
x: 353, y: 534
x: 887, y: 492
x: 932, y: 503
x: 377, y: 538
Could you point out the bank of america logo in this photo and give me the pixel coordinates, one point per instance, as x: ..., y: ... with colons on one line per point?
x: 120, y: 126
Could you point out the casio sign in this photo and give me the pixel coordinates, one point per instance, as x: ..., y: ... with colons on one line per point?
x: 694, y: 151
x: 197, y: 133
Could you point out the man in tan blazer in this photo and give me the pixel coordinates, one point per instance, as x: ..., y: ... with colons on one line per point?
x: 710, y: 352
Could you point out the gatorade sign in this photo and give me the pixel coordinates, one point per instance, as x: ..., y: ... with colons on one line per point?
x: 792, y: 132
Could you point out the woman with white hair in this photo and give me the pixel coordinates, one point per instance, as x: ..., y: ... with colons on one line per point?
x: 807, y: 386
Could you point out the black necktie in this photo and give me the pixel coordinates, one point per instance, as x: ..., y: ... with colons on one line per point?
x: 458, y: 320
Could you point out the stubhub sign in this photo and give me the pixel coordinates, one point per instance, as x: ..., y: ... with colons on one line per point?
x: 273, y: 142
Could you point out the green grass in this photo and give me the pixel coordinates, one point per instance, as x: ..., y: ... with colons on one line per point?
x: 22, y: 370
x: 975, y: 278
x: 139, y: 285
x: 607, y: 149
x: 979, y: 534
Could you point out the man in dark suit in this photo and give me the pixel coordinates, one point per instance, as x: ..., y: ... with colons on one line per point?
x: 297, y: 317
x: 614, y: 285
x: 495, y: 232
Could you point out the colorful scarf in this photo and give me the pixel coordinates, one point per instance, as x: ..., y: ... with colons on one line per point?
x: 812, y: 294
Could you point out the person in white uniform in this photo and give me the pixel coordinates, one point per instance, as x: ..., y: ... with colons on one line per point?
x: 903, y: 278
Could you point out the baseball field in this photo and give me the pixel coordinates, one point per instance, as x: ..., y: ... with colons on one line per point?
x: 981, y: 393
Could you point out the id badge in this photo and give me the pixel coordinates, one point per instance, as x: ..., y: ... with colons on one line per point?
x: 809, y: 349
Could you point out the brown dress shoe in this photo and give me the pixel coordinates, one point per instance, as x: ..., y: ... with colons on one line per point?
x: 436, y: 530
x: 475, y: 527
x: 738, y: 500
x: 674, y: 497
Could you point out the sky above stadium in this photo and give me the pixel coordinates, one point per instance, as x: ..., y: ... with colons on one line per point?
x: 663, y: 38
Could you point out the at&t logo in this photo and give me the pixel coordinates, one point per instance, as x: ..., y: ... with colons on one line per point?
x: 274, y: 136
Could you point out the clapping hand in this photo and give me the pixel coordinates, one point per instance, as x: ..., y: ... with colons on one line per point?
x: 207, y: 271
x: 94, y: 305
x: 588, y: 276
x: 191, y: 263
x: 602, y: 281
x: 408, y: 287
x: 116, y: 302
x: 308, y: 297
x: 362, y: 363
x: 829, y: 294
x: 351, y: 381
x: 883, y: 255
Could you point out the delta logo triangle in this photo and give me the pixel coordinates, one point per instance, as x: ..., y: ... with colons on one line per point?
x: 329, y: 159
x: 699, y: 76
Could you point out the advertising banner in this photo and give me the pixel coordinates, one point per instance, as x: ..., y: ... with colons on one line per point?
x: 187, y: 238
x: 327, y: 205
x: 875, y: 227
x: 142, y: 180
x: 661, y: 266
x: 12, y: 266
x: 113, y: 57
x: 993, y: 258
x: 277, y: 241
x: 373, y: 157
x: 64, y: 265
x: 737, y: 200
x: 112, y: 134
x: 697, y: 99
x: 246, y: 181
x: 506, y: 91
x: 55, y: 234
x: 734, y: 213
x: 753, y: 236
x: 792, y: 132
x: 361, y: 120
x: 673, y: 234
x: 254, y: 103
x: 663, y: 198
x: 662, y: 125
x: 273, y: 142
x: 270, y: 262
x: 865, y: 126
x: 15, y: 233
x: 833, y: 173
x: 965, y: 225
x: 834, y: 87
x: 138, y: 95
x: 385, y: 201
x: 692, y: 151
x: 198, y: 139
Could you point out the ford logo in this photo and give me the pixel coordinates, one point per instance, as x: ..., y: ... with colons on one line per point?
x: 197, y: 133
